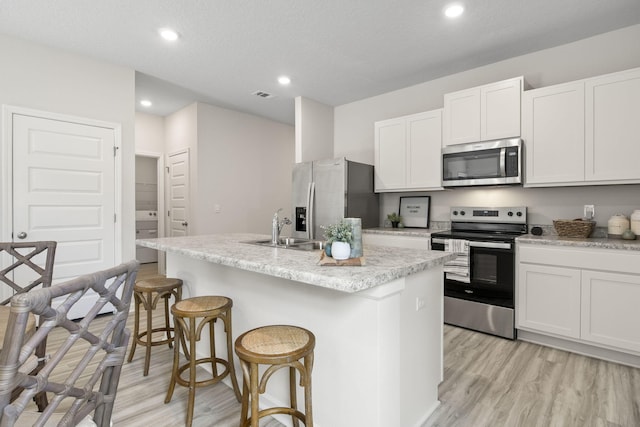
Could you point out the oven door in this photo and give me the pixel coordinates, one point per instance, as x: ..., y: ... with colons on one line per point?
x: 492, y: 274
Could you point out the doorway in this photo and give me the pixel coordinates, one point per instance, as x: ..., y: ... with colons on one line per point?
x: 150, y: 208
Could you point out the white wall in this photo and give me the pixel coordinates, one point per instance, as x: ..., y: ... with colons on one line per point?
x: 609, y: 52
x: 149, y: 133
x: 38, y: 77
x: 238, y: 161
x: 314, y: 130
x: 245, y: 164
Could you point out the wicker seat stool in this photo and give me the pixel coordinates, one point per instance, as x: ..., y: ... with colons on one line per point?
x: 278, y: 346
x: 190, y: 316
x: 147, y: 293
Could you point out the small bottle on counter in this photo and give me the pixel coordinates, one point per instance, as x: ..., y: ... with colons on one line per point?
x: 617, y: 225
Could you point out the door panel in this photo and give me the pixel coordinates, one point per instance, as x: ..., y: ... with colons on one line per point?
x: 179, y: 194
x: 64, y: 190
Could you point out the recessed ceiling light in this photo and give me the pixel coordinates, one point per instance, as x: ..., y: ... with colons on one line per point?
x: 454, y: 11
x: 284, y: 80
x: 168, y: 34
x: 146, y: 103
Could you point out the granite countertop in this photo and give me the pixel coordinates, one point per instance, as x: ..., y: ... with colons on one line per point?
x: 416, y: 232
x: 383, y: 264
x: 587, y: 242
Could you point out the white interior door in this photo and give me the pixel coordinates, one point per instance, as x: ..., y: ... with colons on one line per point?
x: 64, y: 189
x: 179, y: 194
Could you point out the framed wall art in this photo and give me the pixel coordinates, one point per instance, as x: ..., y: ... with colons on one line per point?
x: 415, y: 211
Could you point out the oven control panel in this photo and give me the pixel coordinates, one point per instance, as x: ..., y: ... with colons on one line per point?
x: 516, y: 215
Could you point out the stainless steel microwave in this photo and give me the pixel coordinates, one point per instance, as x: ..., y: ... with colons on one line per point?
x: 483, y: 163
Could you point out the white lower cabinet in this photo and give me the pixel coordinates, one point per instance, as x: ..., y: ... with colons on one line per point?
x: 589, y: 295
x: 549, y: 299
x: 611, y: 309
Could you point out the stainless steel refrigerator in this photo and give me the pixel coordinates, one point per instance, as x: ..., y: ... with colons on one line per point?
x: 325, y: 191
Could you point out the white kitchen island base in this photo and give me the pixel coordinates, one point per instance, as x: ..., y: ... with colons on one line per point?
x: 378, y: 355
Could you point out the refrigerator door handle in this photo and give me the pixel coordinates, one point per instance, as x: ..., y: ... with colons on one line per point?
x: 311, y: 193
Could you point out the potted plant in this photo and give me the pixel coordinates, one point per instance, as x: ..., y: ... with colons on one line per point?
x: 395, y: 219
x: 340, y: 237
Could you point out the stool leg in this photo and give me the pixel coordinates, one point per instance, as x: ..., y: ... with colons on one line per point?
x: 293, y: 397
x: 232, y: 370
x: 308, y: 413
x: 245, y: 393
x: 176, y: 361
x: 136, y: 328
x: 167, y: 327
x: 147, y: 354
x: 212, y: 347
x: 192, y: 370
x: 255, y: 407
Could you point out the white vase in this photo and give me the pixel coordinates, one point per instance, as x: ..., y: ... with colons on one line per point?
x: 340, y: 250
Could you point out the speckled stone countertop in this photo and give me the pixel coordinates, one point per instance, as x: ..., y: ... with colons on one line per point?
x: 598, y: 243
x: 383, y: 264
x: 417, y: 232
x: 434, y: 227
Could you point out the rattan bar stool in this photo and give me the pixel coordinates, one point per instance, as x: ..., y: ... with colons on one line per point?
x: 279, y: 346
x: 189, y: 317
x: 147, y: 293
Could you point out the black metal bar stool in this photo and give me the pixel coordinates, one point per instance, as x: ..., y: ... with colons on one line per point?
x: 190, y: 316
x: 279, y: 346
x: 147, y: 293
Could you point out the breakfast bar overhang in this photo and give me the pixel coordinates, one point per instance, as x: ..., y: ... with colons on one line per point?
x: 378, y: 327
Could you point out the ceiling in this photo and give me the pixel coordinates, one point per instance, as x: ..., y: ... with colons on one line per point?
x: 335, y: 51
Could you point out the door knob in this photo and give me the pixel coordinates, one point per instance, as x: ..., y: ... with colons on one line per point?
x: 22, y: 235
x: 185, y: 223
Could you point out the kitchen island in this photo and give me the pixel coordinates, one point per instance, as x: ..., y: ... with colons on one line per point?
x: 378, y: 327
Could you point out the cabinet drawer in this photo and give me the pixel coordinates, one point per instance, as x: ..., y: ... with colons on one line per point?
x: 621, y: 261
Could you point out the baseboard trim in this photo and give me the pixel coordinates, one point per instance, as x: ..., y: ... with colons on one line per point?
x: 580, y: 348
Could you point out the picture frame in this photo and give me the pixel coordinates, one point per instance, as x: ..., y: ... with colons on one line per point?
x: 415, y: 211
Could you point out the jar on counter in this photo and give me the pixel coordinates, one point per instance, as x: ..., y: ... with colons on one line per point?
x: 635, y: 222
x: 617, y: 225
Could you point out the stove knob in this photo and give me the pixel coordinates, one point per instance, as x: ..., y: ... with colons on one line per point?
x: 462, y: 212
x: 455, y: 213
x: 510, y: 213
x: 519, y: 213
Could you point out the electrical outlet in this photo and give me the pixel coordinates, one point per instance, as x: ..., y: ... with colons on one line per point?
x: 419, y: 303
x: 589, y: 211
x: 216, y: 208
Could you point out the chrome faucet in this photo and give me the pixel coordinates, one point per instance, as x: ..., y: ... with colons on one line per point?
x: 276, y: 227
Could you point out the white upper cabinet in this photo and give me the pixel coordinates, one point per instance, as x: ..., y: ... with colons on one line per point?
x: 613, y: 127
x: 407, y: 152
x: 553, y: 132
x: 483, y: 113
x: 583, y: 133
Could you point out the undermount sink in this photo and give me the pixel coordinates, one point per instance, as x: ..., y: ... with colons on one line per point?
x: 291, y: 243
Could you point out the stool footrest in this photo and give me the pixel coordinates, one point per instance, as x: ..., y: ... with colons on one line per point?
x: 215, y: 379
x: 154, y: 343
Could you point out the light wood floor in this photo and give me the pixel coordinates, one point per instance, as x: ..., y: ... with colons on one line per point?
x: 488, y: 381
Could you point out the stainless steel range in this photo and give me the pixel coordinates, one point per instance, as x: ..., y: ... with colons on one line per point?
x: 479, y: 284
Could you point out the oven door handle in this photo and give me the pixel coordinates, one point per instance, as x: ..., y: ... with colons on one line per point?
x: 475, y: 244
x: 490, y: 245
